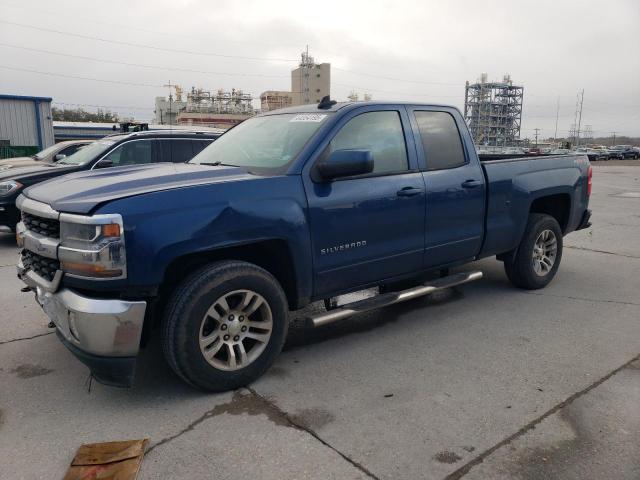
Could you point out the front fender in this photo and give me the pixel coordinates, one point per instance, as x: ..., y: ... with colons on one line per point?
x: 163, y: 226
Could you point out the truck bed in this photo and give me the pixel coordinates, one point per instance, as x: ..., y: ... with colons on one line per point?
x: 514, y: 184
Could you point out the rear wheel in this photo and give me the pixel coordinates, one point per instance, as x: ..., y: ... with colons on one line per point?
x: 225, y: 325
x: 539, y: 253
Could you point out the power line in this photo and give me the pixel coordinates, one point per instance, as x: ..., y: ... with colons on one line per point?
x: 130, y: 64
x: 102, y: 80
x: 127, y: 26
x: 393, y: 79
x: 142, y: 45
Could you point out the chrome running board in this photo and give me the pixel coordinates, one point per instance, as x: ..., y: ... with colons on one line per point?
x: 387, y: 299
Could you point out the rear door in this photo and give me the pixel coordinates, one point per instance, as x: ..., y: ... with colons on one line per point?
x: 455, y: 198
x: 370, y: 227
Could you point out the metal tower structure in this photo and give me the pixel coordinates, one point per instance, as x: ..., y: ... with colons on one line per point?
x: 493, y: 111
x: 306, y: 64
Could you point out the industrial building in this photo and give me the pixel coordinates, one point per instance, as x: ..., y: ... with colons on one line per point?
x: 493, y: 111
x: 203, y: 108
x: 309, y: 83
x: 275, y: 99
x: 25, y: 125
x: 167, y: 109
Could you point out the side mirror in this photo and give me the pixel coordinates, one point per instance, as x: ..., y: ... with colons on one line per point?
x: 345, y: 163
x: 59, y: 156
x: 104, y: 163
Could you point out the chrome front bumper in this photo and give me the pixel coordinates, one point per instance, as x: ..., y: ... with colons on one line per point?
x: 106, y: 328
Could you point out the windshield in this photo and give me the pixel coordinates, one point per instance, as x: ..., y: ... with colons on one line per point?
x: 268, y: 143
x: 88, y: 153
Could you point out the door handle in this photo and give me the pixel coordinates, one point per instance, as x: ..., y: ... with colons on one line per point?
x: 471, y: 183
x: 409, y: 191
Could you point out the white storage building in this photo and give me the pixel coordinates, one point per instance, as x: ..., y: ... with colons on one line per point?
x: 25, y: 124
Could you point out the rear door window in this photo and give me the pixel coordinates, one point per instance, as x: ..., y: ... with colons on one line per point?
x: 440, y: 140
x: 181, y: 150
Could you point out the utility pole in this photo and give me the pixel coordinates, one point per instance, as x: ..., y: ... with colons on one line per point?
x: 170, y: 100
x: 555, y: 135
x: 614, y: 138
x: 536, y: 130
x: 580, y: 117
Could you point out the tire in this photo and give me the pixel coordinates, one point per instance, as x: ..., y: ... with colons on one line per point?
x: 527, y: 270
x: 195, y: 315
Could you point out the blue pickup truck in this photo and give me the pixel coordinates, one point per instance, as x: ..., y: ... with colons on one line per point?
x: 290, y: 207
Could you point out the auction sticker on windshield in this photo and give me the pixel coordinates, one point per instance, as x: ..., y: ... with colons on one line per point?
x: 308, y: 117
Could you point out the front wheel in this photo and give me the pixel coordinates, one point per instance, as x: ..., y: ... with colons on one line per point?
x: 225, y: 325
x: 539, y: 253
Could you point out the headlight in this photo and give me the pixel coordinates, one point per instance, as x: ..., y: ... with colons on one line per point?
x: 9, y: 187
x: 92, y: 247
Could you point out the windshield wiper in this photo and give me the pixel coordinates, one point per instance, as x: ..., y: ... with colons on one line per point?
x: 216, y: 164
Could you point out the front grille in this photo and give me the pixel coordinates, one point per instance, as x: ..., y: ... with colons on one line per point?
x: 44, y: 226
x: 43, y: 266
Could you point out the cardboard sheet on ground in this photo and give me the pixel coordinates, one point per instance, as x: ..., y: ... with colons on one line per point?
x: 107, y: 460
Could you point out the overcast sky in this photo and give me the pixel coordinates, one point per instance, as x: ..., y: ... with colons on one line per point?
x: 395, y: 50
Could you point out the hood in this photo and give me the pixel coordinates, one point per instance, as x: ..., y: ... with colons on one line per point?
x: 82, y: 191
x: 32, y: 172
x: 17, y: 161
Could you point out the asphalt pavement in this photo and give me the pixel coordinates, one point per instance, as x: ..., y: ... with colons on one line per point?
x: 480, y: 381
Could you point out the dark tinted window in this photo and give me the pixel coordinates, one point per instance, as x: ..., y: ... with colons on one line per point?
x: 131, y: 153
x: 70, y: 150
x: 440, y: 140
x: 165, y: 150
x: 181, y: 150
x: 380, y: 133
x: 200, y: 145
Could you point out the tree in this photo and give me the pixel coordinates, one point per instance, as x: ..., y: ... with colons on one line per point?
x: 81, y: 115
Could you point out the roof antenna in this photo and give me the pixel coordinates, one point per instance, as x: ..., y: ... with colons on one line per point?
x: 326, y: 103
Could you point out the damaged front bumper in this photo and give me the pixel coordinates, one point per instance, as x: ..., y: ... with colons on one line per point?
x: 104, y: 334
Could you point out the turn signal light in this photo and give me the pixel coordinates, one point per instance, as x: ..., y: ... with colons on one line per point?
x: 111, y: 230
x: 89, y: 269
x: 589, y: 180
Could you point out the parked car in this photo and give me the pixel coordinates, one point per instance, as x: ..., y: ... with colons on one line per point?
x: 289, y: 207
x: 513, y: 151
x: 560, y: 151
x: 627, y: 151
x: 52, y: 154
x: 534, y: 151
x: 614, y: 154
x: 604, y: 152
x: 111, y: 151
x: 592, y: 154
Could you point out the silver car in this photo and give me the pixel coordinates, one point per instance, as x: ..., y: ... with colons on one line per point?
x: 52, y: 154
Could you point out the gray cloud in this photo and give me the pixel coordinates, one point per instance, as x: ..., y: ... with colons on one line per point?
x: 553, y: 48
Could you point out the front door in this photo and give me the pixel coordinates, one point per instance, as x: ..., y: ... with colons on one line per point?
x: 370, y: 227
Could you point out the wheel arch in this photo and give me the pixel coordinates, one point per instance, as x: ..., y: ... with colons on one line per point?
x: 556, y: 205
x: 274, y: 255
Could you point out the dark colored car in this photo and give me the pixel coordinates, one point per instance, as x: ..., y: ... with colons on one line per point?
x: 112, y: 151
x: 627, y: 151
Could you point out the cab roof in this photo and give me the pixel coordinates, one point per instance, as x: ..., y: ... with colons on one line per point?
x: 313, y: 107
